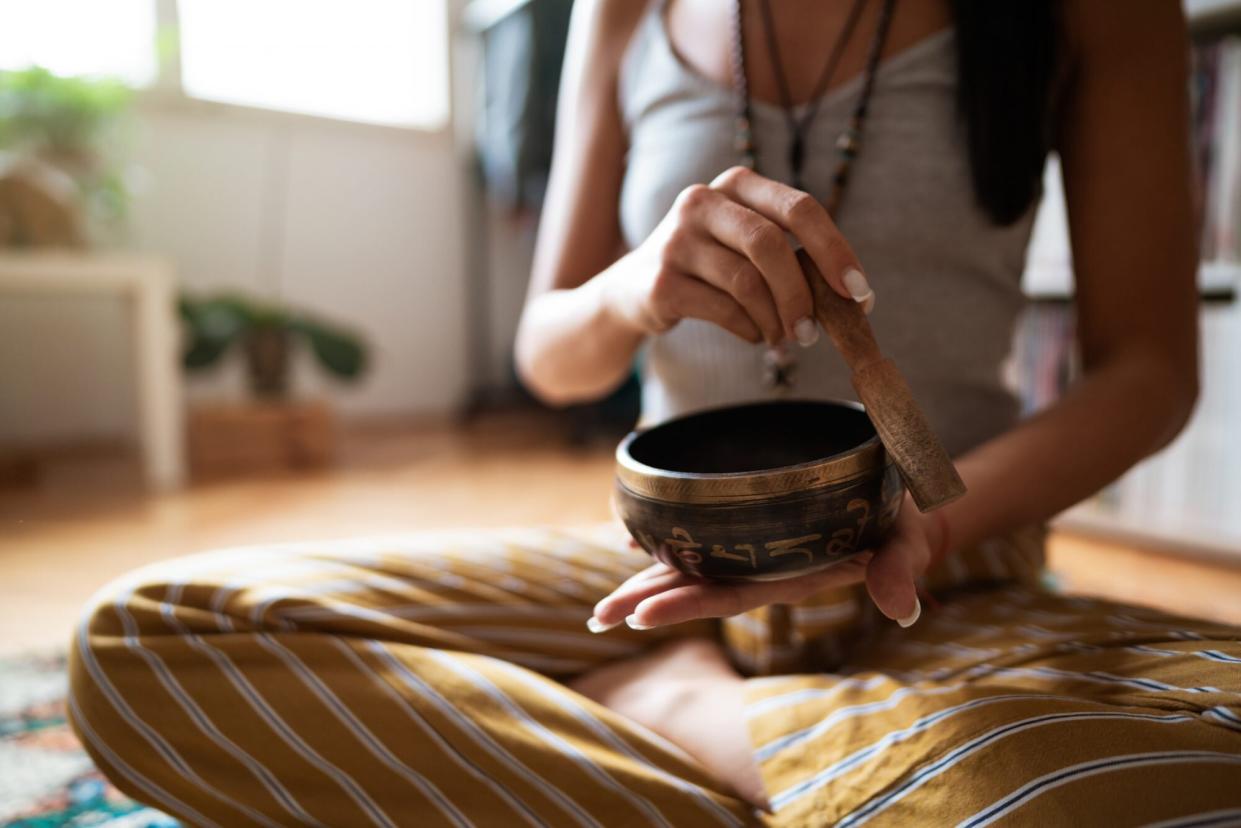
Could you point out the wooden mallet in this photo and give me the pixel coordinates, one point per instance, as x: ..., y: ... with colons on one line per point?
x: 924, y: 464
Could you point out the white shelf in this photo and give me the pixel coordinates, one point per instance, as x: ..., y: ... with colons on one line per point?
x: 1213, y: 15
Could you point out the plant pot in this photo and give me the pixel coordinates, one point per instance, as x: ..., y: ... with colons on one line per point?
x: 267, y: 361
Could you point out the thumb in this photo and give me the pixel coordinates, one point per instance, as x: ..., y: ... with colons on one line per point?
x: 890, y: 581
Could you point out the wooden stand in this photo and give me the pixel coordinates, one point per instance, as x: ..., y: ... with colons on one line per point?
x: 260, y: 437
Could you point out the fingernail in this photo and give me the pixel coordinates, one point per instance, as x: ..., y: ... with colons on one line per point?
x: 857, y: 285
x: 869, y: 304
x: 806, y: 331
x: 908, y: 620
x: 597, y: 626
x: 632, y: 622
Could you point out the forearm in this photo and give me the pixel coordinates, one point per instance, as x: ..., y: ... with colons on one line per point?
x: 571, y: 347
x: 1111, y: 419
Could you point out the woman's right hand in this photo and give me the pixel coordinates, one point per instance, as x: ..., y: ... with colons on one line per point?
x: 723, y: 254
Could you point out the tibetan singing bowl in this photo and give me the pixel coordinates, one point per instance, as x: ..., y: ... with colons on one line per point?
x: 758, y: 492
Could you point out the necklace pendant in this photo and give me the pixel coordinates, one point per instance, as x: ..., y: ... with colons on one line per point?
x: 797, y: 155
x: 779, y: 369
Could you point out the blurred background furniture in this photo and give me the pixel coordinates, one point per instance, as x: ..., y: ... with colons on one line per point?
x: 260, y: 437
x: 144, y: 284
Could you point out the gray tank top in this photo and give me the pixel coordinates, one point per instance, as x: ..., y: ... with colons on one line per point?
x: 948, y: 280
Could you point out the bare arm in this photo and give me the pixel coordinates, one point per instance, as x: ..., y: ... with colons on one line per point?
x: 1124, y: 147
x: 568, y: 346
x: 721, y: 254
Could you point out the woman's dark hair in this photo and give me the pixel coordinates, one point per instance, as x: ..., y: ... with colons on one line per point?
x: 1007, y: 54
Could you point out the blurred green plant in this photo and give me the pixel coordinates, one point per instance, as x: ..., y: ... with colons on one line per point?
x: 267, y: 334
x: 72, y: 123
x: 65, y: 114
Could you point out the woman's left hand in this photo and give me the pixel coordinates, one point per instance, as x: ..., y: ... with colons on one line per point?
x: 659, y: 595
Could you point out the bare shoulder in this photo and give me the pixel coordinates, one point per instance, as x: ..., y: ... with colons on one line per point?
x: 602, y: 29
x: 1147, y: 30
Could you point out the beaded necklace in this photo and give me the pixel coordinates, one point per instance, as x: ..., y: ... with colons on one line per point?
x: 779, y: 363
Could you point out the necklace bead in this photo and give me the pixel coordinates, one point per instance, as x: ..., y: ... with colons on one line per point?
x: 779, y: 364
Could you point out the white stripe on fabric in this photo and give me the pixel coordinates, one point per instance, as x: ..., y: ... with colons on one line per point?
x: 1154, y: 624
x: 862, y: 755
x: 805, y: 694
x: 351, y: 583
x: 286, y: 733
x: 1035, y: 631
x: 585, y: 639
x: 1209, y: 655
x: 152, y: 736
x: 1096, y: 676
x: 468, y: 726
x: 749, y: 622
x: 953, y: 757
x: 166, y: 800
x: 1046, y: 616
x: 1072, y: 646
x: 1223, y: 716
x: 360, y: 731
x: 218, y: 599
x: 269, y: 573
x: 418, y: 612
x: 842, y: 714
x: 1186, y: 635
x: 554, y: 740
x: 563, y: 700
x: 825, y: 614
x: 462, y: 761
x: 1048, y: 782
x: 196, y: 714
x: 950, y: 648
x: 273, y: 720
x: 1225, y: 818
x: 1091, y: 677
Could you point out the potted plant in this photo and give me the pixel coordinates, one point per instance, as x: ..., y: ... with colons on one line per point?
x: 266, y: 334
x: 57, y: 129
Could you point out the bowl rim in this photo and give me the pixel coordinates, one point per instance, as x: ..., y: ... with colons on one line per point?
x: 865, y: 459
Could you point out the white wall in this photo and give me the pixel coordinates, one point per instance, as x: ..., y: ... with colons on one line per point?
x: 362, y: 224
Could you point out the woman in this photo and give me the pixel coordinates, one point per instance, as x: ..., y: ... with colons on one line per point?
x: 400, y: 683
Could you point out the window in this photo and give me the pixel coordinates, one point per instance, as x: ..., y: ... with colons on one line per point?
x: 80, y: 37
x: 378, y: 61
x: 375, y: 61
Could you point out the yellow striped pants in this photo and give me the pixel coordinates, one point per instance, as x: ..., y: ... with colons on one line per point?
x: 413, y: 682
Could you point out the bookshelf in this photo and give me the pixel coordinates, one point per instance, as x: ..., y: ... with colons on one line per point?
x: 1187, y: 499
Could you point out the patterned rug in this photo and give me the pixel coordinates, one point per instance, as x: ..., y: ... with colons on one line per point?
x: 46, y: 778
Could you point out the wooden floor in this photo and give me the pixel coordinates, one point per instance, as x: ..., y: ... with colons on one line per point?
x: 88, y: 519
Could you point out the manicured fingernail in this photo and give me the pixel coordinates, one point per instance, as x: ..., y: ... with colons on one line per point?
x: 597, y: 626
x: 632, y: 621
x: 857, y: 285
x: 908, y: 620
x: 869, y: 304
x: 806, y: 331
